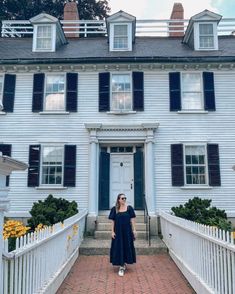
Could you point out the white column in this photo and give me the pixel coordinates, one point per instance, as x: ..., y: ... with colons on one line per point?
x: 93, y: 177
x: 149, y: 172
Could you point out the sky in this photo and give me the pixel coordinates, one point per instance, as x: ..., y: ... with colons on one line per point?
x: 161, y: 9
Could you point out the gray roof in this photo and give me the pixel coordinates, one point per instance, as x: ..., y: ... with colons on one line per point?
x: 89, y: 50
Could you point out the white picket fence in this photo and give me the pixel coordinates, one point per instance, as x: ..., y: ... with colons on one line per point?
x: 42, y: 259
x: 204, y: 254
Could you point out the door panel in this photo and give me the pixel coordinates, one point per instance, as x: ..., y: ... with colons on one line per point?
x: 121, y: 177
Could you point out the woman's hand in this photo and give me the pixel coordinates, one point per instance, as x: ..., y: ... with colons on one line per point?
x: 113, y: 235
x: 134, y: 234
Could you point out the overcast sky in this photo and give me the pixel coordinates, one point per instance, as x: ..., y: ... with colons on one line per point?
x: 161, y: 9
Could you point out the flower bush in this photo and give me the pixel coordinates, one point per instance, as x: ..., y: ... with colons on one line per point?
x: 13, y: 229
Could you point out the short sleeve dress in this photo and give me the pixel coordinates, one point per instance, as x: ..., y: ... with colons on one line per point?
x: 122, y: 247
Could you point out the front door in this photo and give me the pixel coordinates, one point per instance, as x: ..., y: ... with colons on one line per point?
x: 121, y: 177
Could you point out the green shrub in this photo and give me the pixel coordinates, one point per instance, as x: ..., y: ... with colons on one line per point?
x: 199, y: 210
x: 50, y: 211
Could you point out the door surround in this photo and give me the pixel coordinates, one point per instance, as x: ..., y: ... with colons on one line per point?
x: 120, y: 134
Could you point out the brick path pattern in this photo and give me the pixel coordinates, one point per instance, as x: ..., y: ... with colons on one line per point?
x: 156, y: 274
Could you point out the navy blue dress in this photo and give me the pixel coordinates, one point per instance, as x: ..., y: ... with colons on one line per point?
x: 122, y: 247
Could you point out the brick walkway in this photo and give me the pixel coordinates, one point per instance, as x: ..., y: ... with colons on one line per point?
x: 150, y: 275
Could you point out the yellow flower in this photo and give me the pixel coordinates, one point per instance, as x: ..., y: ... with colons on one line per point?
x: 13, y: 228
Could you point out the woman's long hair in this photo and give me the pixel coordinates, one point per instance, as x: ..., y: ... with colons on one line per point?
x: 117, y: 205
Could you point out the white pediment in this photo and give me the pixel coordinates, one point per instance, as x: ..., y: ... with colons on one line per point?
x: 206, y: 15
x: 43, y: 18
x: 121, y: 16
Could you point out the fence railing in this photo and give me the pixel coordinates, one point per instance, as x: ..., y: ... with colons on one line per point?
x: 87, y: 28
x: 205, y: 255
x: 42, y: 259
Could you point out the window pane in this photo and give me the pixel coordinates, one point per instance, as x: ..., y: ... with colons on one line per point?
x: 121, y: 92
x: 120, y: 30
x: 44, y: 37
x: 191, y: 101
x: 191, y: 91
x: 206, y: 29
x: 52, y: 165
x: 120, y: 37
x: 54, y: 97
x: 195, y: 166
x: 206, y: 41
x: 191, y: 82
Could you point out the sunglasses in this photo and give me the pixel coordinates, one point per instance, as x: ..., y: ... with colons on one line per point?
x: 123, y: 198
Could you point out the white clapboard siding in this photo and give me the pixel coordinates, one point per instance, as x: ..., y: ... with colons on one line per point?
x: 23, y: 128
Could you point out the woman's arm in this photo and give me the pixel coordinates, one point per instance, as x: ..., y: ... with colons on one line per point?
x: 133, y: 226
x: 112, y: 230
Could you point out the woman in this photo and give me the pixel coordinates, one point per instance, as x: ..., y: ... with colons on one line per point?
x: 123, y: 234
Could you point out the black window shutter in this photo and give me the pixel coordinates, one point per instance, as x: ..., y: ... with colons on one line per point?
x: 209, y: 91
x: 104, y: 179
x: 104, y: 91
x: 177, y: 165
x: 175, y: 91
x: 6, y: 150
x: 72, y: 92
x: 213, y: 164
x: 69, y: 165
x: 34, y: 165
x: 138, y: 91
x: 138, y: 179
x: 9, y: 93
x: 38, y: 92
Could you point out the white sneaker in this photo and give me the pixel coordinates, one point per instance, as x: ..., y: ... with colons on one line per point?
x: 121, y: 271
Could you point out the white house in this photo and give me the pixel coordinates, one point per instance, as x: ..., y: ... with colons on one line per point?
x: 119, y: 112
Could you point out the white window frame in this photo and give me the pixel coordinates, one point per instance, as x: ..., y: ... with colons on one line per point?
x: 41, y: 165
x: 44, y: 94
x: 197, y: 36
x: 111, y: 93
x: 201, y: 91
x: 53, y: 38
x: 129, y: 36
x: 1, y: 92
x: 206, y: 164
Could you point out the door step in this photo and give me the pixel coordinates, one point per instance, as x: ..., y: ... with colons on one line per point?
x: 91, y: 246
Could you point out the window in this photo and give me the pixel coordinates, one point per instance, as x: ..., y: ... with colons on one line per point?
x: 120, y: 37
x: 1, y: 91
x: 195, y: 165
x: 55, y: 93
x: 192, y: 97
x: 206, y: 36
x: 121, y: 92
x: 52, y: 165
x: 44, y: 38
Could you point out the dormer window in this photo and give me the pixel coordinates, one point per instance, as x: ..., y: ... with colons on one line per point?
x: 206, y: 36
x: 201, y: 33
x: 44, y: 37
x: 47, y: 33
x: 121, y: 31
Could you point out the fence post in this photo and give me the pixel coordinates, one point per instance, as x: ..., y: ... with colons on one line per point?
x: 7, y: 165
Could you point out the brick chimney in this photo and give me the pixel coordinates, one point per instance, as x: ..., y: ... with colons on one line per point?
x: 177, y: 13
x: 70, y: 14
